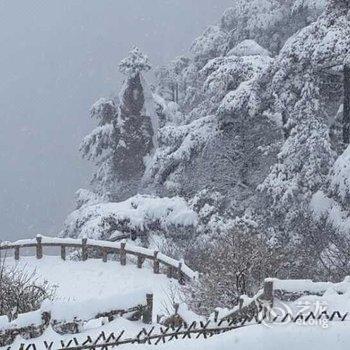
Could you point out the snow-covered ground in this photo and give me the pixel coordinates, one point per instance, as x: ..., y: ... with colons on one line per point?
x: 286, y: 337
x: 91, y: 280
x: 255, y: 337
x: 82, y: 282
x: 94, y: 279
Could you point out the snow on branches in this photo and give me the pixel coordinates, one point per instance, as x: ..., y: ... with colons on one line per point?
x: 139, y: 215
x: 135, y: 63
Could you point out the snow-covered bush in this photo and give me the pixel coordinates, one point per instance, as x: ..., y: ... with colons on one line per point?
x: 138, y: 216
x: 322, y: 251
x: 20, y: 291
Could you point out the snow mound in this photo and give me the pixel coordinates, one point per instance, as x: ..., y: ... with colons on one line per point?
x: 248, y: 48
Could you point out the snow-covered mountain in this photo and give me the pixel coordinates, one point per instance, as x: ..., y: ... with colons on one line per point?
x: 246, y: 132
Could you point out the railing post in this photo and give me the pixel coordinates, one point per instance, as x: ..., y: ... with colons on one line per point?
x: 39, y: 247
x: 176, y: 308
x: 216, y: 315
x: 156, y: 263
x: 17, y: 253
x: 170, y: 272
x: 46, y: 317
x: 122, y: 254
x: 140, y: 260
x: 268, y: 297
x: 148, y: 313
x: 84, y: 249
x: 268, y: 291
x: 180, y: 275
x: 104, y: 254
x: 63, y: 252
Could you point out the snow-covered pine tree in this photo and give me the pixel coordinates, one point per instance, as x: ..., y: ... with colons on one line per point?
x: 100, y: 146
x: 136, y: 124
x: 125, y: 135
x: 170, y: 83
x: 303, y: 162
x: 269, y: 22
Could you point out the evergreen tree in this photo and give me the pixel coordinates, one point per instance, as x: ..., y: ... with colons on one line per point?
x: 136, y: 124
x: 303, y: 162
x: 125, y: 134
x: 99, y: 146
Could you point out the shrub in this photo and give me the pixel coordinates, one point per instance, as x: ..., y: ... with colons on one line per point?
x: 232, y: 266
x: 20, y: 291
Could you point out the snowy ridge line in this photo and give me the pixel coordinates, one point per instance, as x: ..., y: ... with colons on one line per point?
x: 106, y: 247
x: 195, y: 330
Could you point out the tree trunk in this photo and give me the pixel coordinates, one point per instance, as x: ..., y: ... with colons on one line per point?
x: 346, y: 113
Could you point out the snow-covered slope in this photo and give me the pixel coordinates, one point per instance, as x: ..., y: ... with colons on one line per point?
x: 86, y: 285
x: 287, y: 337
x: 85, y: 280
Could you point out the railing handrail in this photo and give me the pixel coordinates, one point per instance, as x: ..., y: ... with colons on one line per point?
x: 106, y: 247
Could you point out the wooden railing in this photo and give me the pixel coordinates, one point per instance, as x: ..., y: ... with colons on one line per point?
x: 174, y: 269
x: 161, y: 335
x: 291, y: 290
x: 262, y: 302
x: 281, y: 291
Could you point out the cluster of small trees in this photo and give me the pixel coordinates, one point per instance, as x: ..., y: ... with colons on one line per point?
x: 233, y: 266
x: 238, y: 263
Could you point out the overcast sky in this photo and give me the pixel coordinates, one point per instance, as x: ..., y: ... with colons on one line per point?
x: 56, y: 58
